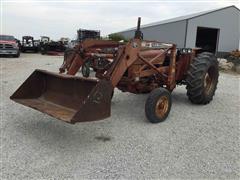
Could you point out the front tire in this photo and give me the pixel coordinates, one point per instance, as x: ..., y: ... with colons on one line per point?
x: 86, y: 69
x: 202, y: 78
x: 158, y: 105
x: 17, y: 55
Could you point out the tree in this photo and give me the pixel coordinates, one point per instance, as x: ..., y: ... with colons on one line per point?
x: 117, y: 37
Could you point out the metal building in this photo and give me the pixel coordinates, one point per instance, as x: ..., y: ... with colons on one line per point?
x: 216, y: 30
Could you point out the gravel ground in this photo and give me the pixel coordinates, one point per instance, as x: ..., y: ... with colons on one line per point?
x: 194, y: 142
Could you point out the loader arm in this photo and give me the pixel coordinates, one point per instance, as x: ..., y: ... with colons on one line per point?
x: 82, y: 51
x: 131, y: 53
x: 127, y: 56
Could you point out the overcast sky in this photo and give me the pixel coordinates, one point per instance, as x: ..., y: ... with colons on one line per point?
x: 62, y: 18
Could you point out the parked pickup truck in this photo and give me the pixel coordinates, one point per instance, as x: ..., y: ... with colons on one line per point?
x: 9, y: 46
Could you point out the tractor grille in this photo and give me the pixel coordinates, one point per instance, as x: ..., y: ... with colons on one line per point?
x: 6, y: 46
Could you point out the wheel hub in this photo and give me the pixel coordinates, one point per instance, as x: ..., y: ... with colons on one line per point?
x: 162, y: 106
x: 208, y: 83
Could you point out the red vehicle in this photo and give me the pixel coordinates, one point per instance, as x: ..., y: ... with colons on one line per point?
x: 9, y: 46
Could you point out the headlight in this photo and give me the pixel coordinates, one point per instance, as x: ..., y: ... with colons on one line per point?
x: 15, y: 45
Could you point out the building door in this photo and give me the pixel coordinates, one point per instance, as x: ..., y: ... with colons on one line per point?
x: 207, y: 39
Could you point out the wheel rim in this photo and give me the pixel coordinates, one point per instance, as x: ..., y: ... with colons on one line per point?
x: 162, y: 106
x: 208, y: 82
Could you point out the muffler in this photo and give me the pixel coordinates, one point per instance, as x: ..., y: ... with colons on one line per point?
x: 66, y: 97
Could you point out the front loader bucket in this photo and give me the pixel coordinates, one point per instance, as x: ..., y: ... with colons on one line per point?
x: 65, y: 97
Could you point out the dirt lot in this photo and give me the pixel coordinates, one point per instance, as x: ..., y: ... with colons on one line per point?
x: 194, y: 142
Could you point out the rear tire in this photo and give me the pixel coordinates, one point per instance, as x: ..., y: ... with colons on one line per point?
x: 42, y: 50
x: 158, y: 105
x: 202, y: 78
x: 17, y: 55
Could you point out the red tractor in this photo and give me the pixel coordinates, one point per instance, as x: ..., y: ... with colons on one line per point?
x: 138, y: 66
